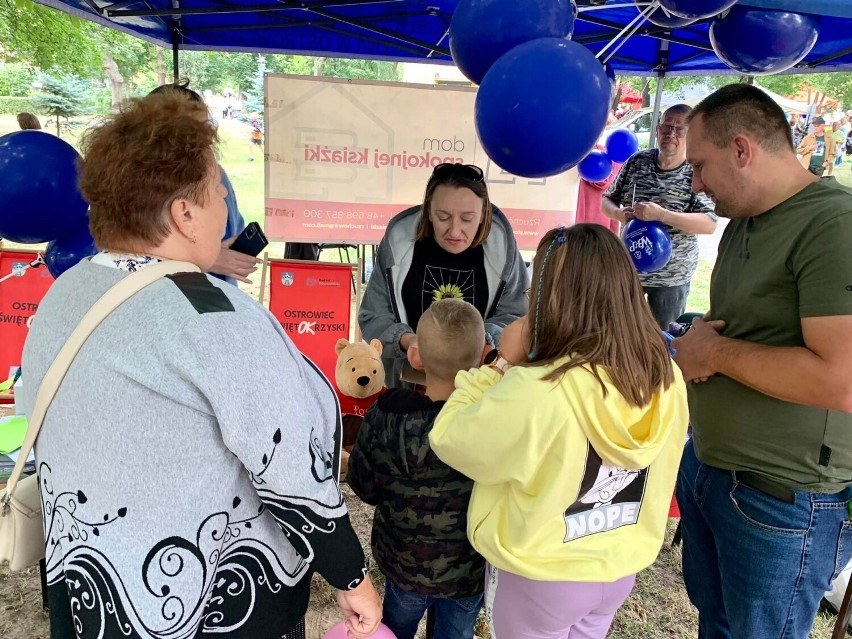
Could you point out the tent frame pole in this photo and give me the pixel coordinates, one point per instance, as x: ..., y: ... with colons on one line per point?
x: 658, y: 97
x: 175, y: 44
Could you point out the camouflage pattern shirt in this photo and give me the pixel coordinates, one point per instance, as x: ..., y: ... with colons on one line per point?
x: 419, y: 535
x: 672, y: 190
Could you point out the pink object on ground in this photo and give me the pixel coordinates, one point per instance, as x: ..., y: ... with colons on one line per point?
x: 338, y: 631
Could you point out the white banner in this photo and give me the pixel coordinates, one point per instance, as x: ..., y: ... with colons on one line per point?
x: 344, y: 157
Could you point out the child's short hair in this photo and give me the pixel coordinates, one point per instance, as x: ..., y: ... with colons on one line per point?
x: 450, y: 337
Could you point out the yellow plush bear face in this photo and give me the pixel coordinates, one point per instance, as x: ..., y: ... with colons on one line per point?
x: 359, y: 371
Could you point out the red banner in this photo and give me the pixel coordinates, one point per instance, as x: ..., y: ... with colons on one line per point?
x: 20, y: 296
x: 313, y: 302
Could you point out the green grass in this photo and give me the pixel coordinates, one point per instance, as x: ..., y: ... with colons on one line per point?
x: 699, y: 292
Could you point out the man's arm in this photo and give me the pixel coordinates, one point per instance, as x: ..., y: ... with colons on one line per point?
x: 613, y: 210
x: 818, y: 374
x: 696, y: 223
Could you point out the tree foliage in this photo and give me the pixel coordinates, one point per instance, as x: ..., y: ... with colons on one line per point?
x: 46, y: 38
x: 62, y: 96
x: 15, y: 79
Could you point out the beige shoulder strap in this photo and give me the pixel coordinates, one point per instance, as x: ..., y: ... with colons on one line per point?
x: 109, y: 301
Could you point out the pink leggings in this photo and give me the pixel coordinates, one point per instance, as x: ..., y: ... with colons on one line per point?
x: 521, y: 608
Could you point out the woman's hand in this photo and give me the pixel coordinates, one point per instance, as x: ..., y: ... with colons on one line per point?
x: 233, y: 264
x: 515, y: 341
x: 362, y: 608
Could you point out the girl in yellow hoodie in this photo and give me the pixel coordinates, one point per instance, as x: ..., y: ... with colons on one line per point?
x: 573, y: 439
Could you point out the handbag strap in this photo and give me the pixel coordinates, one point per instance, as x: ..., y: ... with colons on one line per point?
x: 100, y: 310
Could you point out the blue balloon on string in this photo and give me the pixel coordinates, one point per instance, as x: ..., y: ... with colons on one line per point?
x: 67, y: 251
x: 649, y: 245
x: 759, y: 42
x: 38, y: 178
x: 542, y: 107
x: 483, y: 30
x: 696, y: 9
x: 595, y: 167
x: 621, y: 144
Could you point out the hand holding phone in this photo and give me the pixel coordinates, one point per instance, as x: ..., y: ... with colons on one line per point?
x: 251, y: 241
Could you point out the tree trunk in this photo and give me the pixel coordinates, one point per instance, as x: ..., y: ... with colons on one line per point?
x: 161, y: 66
x: 646, y: 94
x: 114, y: 76
x: 615, y: 100
x: 319, y: 64
x: 747, y: 79
x: 57, y: 127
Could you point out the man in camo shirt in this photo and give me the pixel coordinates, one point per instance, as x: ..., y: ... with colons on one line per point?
x: 656, y: 185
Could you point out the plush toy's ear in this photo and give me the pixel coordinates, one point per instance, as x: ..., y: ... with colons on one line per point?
x: 413, y: 355
x: 341, y: 344
x: 377, y: 345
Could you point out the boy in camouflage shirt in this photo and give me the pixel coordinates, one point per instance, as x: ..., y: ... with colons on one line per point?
x: 419, y: 535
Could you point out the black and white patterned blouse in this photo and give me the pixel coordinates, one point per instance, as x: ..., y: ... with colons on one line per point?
x: 188, y: 464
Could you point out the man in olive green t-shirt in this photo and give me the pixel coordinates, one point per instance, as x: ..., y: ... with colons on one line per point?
x: 765, y: 485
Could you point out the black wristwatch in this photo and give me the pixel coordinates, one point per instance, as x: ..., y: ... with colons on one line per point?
x: 492, y: 356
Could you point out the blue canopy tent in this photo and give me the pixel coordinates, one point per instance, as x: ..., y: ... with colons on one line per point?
x: 417, y: 30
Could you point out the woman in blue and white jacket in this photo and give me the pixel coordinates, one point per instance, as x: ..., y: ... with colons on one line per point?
x: 457, y: 244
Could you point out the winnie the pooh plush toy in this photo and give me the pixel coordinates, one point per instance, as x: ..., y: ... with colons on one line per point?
x: 359, y: 377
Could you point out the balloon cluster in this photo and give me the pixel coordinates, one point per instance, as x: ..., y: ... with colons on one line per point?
x: 543, y: 99
x: 749, y: 40
x: 41, y: 202
x: 597, y: 165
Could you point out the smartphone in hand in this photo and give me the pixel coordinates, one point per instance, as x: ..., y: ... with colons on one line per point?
x: 251, y: 241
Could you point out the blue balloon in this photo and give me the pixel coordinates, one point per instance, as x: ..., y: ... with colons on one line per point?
x: 649, y: 245
x: 663, y: 18
x: 696, y: 9
x: 542, y: 107
x: 621, y: 144
x: 759, y: 42
x: 38, y: 178
x: 595, y: 167
x: 65, y: 252
x: 483, y: 30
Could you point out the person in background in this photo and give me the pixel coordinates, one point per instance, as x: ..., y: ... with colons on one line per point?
x: 765, y: 483
x: 230, y: 266
x: 178, y: 506
x: 817, y: 149
x: 419, y: 535
x: 28, y: 121
x: 659, y: 180
x: 572, y: 438
x: 256, y: 136
x: 839, y: 139
x: 455, y: 245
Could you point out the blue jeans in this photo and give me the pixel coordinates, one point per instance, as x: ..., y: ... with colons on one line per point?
x: 667, y: 302
x: 756, y: 567
x: 403, y: 610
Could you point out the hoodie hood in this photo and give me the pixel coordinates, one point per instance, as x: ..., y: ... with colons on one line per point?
x: 623, y: 435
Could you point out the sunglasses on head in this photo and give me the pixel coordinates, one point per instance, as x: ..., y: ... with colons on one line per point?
x: 467, y: 171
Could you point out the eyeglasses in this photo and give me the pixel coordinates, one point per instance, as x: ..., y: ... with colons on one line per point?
x: 667, y: 129
x: 466, y: 171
